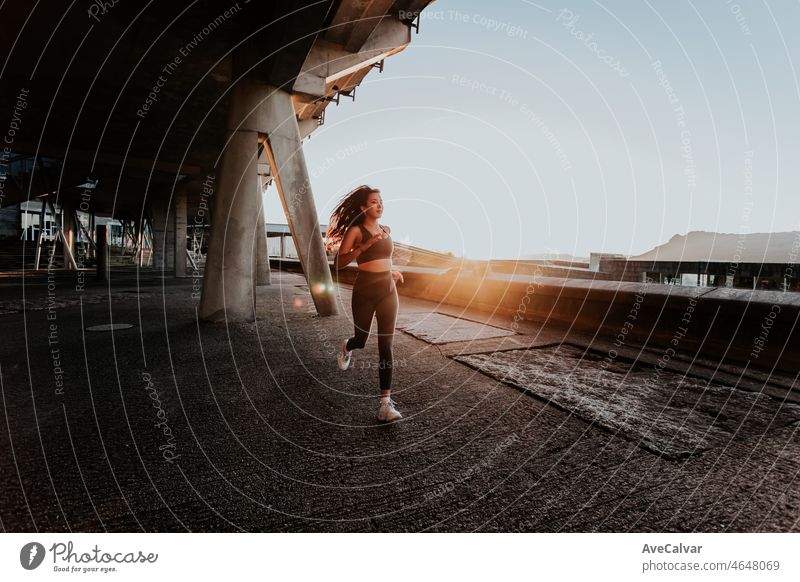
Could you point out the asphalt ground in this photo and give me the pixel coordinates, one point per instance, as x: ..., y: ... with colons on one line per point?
x: 175, y: 425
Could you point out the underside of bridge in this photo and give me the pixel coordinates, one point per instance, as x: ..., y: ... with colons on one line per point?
x: 169, y: 114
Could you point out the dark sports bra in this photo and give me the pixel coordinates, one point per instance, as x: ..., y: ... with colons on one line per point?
x: 380, y: 250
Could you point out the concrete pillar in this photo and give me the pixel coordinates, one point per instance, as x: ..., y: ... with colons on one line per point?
x: 263, y: 276
x: 179, y: 219
x: 68, y: 230
x: 101, y: 240
x: 276, y: 118
x: 141, y: 238
x: 163, y: 234
x: 228, y: 281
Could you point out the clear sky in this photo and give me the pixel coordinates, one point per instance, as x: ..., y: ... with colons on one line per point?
x: 512, y: 128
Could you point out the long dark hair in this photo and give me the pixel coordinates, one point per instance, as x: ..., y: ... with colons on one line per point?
x: 346, y: 214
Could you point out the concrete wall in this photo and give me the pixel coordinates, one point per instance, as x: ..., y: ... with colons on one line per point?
x: 730, y: 325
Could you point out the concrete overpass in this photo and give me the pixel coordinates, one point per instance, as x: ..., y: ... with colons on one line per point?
x: 175, y: 113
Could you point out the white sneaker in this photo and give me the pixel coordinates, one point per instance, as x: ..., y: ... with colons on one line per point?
x: 344, y: 355
x: 388, y: 412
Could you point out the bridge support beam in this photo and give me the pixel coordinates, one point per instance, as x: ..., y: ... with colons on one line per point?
x: 288, y: 165
x: 263, y: 276
x: 163, y: 234
x: 68, y: 236
x: 228, y: 281
x: 179, y: 217
x: 232, y: 263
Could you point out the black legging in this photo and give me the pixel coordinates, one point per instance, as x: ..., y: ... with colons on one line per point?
x: 375, y: 294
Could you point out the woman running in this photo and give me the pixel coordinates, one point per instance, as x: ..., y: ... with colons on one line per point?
x: 354, y: 222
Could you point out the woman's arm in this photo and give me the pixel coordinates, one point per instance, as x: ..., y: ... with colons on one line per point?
x: 350, y: 247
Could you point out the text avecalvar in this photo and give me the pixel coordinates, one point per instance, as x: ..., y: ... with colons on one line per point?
x: 671, y: 549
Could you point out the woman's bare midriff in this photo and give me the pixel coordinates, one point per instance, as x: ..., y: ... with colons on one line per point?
x: 376, y: 266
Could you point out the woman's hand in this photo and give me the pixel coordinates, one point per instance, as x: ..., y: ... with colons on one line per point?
x: 372, y: 240
x: 397, y: 276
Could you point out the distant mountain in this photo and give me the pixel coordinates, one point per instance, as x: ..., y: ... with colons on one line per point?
x: 553, y: 257
x: 699, y: 245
